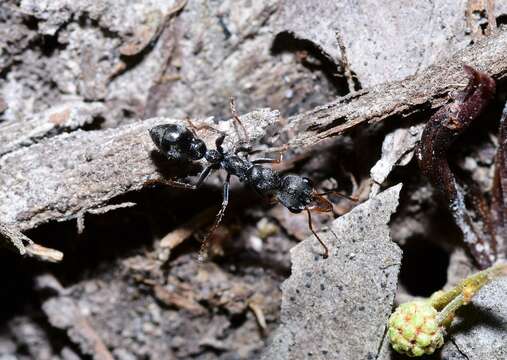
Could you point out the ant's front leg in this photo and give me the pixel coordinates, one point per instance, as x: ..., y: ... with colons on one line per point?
x: 182, y: 185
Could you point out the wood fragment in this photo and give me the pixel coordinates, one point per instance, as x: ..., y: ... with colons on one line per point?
x: 424, y: 91
x: 184, y: 301
x: 64, y: 313
x: 180, y: 234
x: 345, y: 63
x: 100, y: 210
x: 80, y: 171
x: 259, y: 315
x: 23, y: 245
x: 61, y: 118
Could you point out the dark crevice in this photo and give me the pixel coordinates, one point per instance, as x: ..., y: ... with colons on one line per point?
x: 501, y: 20
x: 49, y: 45
x: 31, y: 22
x: 312, y: 57
x: 424, y: 267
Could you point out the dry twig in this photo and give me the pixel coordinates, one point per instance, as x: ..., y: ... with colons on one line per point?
x: 25, y: 246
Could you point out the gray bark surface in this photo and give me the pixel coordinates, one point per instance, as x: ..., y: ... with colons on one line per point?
x: 83, y: 170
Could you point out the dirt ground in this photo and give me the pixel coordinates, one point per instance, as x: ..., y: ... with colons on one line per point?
x: 344, y: 88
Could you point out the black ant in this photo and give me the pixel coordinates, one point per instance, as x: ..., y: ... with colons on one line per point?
x: 296, y: 193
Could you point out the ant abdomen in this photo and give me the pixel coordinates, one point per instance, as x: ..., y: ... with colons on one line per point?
x: 177, y: 142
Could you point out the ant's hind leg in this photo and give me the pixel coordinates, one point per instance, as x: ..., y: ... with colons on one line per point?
x: 193, y: 126
x: 203, y: 253
x: 182, y: 185
x: 247, y: 149
x: 280, y: 152
x: 236, y: 118
x: 310, y: 225
x: 269, y: 160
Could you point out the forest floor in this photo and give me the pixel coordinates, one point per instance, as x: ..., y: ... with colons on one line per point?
x: 344, y: 88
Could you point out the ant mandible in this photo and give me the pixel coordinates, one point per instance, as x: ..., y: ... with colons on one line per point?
x: 296, y: 193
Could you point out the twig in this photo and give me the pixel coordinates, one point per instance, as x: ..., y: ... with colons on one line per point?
x: 99, y: 210
x: 181, y: 301
x: 180, y: 234
x: 16, y: 240
x: 145, y: 37
x: 80, y: 171
x: 438, y: 135
x: 400, y: 99
x: 259, y: 315
x: 345, y: 63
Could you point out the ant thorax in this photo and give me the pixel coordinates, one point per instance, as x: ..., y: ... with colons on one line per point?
x: 236, y: 166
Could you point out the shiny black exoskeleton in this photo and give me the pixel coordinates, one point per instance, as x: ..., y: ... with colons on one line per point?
x: 296, y: 193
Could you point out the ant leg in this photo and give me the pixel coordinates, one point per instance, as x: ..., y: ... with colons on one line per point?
x: 182, y: 185
x: 321, y: 204
x: 218, y: 143
x: 334, y: 192
x: 269, y: 160
x: 203, y: 252
x: 310, y: 225
x: 236, y: 118
x: 243, y: 149
x: 247, y: 150
x: 193, y: 127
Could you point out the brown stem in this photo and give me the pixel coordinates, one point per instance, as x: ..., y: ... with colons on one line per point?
x: 439, y: 134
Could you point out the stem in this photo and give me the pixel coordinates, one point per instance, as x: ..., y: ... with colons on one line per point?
x: 468, y: 287
x: 448, y: 311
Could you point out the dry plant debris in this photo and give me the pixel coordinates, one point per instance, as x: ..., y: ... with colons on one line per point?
x: 24, y: 246
x: 439, y: 134
x: 80, y: 171
x: 80, y: 83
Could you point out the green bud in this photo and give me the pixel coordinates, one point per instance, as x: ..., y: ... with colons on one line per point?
x: 413, y: 329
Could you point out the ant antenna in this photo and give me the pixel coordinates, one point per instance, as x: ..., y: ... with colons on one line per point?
x: 232, y: 104
x: 310, y: 225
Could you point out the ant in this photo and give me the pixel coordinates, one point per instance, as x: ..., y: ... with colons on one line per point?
x: 296, y: 193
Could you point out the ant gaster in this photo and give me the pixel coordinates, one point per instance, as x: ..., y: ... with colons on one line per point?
x: 296, y: 193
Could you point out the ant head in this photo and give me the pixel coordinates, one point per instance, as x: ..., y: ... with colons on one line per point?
x: 296, y: 193
x: 177, y: 142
